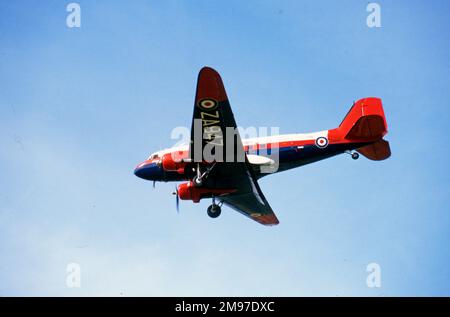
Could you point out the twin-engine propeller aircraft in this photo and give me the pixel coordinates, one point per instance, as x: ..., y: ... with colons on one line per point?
x: 219, y: 165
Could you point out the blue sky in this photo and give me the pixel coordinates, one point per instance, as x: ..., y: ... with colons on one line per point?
x: 81, y: 107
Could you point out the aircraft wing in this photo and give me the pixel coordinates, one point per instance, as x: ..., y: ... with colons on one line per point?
x: 252, y: 203
x: 212, y: 116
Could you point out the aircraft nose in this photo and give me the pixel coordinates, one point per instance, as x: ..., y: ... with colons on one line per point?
x: 148, y: 171
x: 139, y: 171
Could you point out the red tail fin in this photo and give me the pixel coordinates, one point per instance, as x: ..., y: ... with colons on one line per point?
x: 365, y: 121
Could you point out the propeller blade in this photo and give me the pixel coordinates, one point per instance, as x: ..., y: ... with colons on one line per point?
x: 154, y: 184
x: 177, y: 199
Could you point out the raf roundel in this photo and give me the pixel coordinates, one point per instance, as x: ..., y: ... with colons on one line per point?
x: 321, y: 142
x: 207, y: 104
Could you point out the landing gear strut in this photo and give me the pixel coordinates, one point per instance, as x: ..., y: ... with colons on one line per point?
x: 200, y: 177
x: 214, y: 209
x: 353, y: 154
x: 198, y: 181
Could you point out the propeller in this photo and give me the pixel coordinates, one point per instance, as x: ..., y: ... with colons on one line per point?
x: 154, y: 184
x: 177, y: 199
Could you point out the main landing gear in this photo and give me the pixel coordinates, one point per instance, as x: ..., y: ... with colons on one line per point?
x: 200, y: 177
x: 353, y: 154
x: 198, y: 181
x: 214, y: 209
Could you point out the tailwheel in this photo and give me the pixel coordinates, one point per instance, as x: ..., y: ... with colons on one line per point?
x: 353, y: 154
x: 214, y: 211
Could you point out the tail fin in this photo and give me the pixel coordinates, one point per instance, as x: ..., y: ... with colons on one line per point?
x: 365, y: 121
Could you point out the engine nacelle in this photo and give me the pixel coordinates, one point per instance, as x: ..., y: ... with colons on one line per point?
x: 170, y: 162
x: 188, y: 191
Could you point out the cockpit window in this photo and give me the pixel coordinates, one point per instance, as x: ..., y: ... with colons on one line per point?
x: 153, y: 156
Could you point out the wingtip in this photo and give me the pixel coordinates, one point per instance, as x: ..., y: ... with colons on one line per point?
x: 267, y: 220
x: 208, y: 69
x: 210, y: 85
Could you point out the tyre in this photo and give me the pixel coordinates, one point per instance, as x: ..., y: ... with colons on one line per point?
x: 214, y: 211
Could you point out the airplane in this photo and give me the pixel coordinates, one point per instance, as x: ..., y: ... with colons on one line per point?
x: 231, y: 177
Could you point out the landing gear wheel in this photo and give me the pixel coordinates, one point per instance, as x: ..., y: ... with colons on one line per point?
x: 355, y: 155
x: 214, y: 211
x: 197, y: 181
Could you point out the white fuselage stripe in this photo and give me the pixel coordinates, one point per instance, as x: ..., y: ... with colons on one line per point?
x: 260, y: 140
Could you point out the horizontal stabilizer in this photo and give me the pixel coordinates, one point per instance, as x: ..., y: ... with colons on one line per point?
x: 376, y: 151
